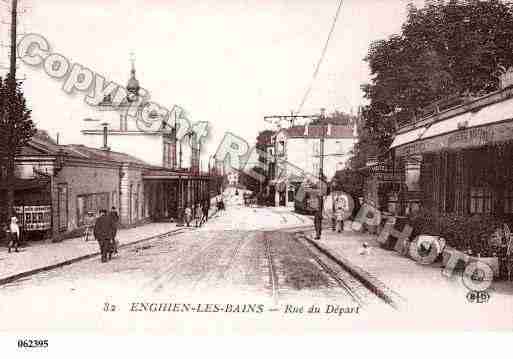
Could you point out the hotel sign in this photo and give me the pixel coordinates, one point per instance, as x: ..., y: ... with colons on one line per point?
x: 466, y: 138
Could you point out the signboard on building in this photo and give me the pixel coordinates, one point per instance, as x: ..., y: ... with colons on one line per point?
x: 465, y: 138
x: 34, y: 218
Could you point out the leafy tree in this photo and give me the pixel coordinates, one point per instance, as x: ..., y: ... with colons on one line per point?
x: 337, y: 118
x: 16, y: 129
x: 445, y: 49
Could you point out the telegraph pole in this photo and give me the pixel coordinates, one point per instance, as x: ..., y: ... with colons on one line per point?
x: 11, y: 80
x: 12, y: 68
x: 321, y: 176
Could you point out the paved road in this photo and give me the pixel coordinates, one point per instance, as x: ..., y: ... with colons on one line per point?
x: 245, y: 255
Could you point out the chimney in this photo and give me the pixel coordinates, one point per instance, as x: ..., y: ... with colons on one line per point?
x: 105, y: 133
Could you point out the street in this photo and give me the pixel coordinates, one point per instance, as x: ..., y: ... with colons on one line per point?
x: 242, y: 255
x: 254, y: 263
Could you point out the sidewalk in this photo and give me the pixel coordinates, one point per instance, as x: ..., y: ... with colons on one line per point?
x: 400, y: 276
x: 44, y: 255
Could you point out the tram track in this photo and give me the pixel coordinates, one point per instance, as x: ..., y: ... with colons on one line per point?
x: 342, y: 279
x: 272, y: 270
x: 351, y: 278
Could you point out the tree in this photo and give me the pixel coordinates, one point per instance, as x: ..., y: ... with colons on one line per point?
x: 16, y: 129
x: 445, y: 49
x: 336, y: 118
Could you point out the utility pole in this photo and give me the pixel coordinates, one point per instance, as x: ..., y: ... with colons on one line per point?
x: 321, y: 176
x: 14, y: 24
x: 180, y: 156
x: 12, y: 94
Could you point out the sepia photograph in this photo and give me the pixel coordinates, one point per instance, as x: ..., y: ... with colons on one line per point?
x: 254, y: 167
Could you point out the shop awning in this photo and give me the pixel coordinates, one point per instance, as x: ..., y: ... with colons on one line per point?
x: 487, y: 125
x: 407, y: 137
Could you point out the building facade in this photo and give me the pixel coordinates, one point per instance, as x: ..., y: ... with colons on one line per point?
x: 460, y: 159
x: 296, y: 156
x: 57, y: 185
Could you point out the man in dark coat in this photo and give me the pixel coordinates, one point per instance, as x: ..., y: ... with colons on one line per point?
x: 318, y: 219
x: 103, y: 233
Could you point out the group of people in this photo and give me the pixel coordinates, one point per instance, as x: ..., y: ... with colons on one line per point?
x: 105, y: 229
x: 200, y: 213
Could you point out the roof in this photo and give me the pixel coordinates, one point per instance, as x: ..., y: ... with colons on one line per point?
x: 316, y: 131
x: 167, y: 173
x: 102, y: 155
x: 39, y: 146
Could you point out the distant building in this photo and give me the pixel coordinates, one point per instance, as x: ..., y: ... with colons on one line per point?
x: 233, y: 178
x: 296, y: 154
x: 116, y: 127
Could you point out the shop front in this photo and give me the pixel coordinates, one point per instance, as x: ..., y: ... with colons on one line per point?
x: 464, y: 176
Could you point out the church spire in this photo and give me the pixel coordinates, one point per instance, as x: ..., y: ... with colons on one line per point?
x: 133, y: 84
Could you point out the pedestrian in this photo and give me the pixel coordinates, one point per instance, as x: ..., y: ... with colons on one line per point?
x: 14, y: 234
x: 198, y: 215
x: 205, y: 211
x: 89, y: 224
x: 103, y: 234
x: 318, y: 224
x: 114, y: 216
x: 339, y: 213
x: 188, y: 215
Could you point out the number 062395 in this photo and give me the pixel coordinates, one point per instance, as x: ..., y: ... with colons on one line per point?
x: 32, y: 343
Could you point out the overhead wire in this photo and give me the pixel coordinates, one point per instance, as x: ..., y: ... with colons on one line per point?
x: 321, y: 58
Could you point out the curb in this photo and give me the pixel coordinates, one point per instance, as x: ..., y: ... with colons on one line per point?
x: 368, y: 280
x: 14, y: 277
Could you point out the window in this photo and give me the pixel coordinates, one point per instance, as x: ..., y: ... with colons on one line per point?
x: 136, y: 201
x: 480, y: 200
x: 450, y: 183
x: 281, y: 148
x: 316, y: 148
x: 508, y: 200
x: 341, y: 148
x: 62, y: 203
x: 113, y: 199
x: 91, y: 203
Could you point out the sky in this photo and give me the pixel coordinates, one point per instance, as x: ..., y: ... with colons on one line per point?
x: 228, y: 62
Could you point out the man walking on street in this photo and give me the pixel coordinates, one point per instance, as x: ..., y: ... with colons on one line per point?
x: 103, y: 233
x: 318, y: 224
